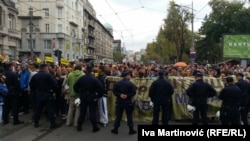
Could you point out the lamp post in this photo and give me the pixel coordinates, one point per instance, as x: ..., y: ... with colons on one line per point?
x: 31, y: 29
x: 192, y: 48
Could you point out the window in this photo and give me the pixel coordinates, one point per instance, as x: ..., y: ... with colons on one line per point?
x: 11, y: 21
x: 31, y: 44
x: 47, y: 12
x: 59, y: 27
x: 59, y: 13
x: 47, y: 44
x: 47, y: 28
x: 60, y: 43
x: 1, y: 15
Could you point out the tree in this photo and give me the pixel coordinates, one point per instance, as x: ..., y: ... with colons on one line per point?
x: 225, y: 18
x: 117, y: 56
x: 175, y: 28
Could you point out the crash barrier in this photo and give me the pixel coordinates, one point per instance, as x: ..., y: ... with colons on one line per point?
x: 143, y: 107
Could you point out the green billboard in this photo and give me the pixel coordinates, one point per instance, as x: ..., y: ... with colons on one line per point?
x: 236, y: 46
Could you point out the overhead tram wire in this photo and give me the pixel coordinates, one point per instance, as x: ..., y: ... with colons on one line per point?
x: 118, y: 17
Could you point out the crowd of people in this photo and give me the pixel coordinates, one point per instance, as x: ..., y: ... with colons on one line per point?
x: 32, y: 87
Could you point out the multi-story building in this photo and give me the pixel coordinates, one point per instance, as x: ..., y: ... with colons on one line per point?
x: 50, y: 25
x: 9, y: 30
x: 99, y: 38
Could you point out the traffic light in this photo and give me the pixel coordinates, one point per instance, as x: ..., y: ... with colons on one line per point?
x: 57, y: 52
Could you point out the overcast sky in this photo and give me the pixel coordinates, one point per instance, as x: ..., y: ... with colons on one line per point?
x: 137, y: 22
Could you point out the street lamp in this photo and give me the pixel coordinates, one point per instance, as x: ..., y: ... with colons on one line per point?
x: 192, y: 48
x: 31, y: 29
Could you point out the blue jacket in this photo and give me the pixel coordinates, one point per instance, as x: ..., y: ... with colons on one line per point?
x: 3, y: 92
x: 24, y: 79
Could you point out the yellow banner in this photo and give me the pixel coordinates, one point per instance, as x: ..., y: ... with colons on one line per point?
x: 64, y: 61
x: 38, y: 60
x: 48, y: 59
x: 143, y: 111
x: 67, y: 47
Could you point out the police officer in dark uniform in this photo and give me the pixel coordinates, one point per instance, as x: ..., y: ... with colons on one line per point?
x: 44, y: 85
x: 90, y: 89
x: 245, y: 96
x: 229, y: 112
x: 160, y: 93
x: 124, y: 90
x: 198, y: 93
x: 13, y: 98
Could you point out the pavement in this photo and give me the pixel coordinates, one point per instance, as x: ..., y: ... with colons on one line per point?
x: 27, y: 132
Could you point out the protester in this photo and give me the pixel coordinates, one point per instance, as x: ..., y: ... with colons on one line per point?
x: 74, y: 111
x: 3, y: 91
x: 160, y: 93
x: 102, y: 102
x: 124, y: 90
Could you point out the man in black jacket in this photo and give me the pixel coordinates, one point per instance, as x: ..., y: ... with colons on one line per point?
x: 245, y: 96
x: 90, y: 89
x: 198, y: 93
x: 13, y: 98
x: 229, y: 112
x: 160, y: 93
x: 124, y: 90
x: 44, y: 85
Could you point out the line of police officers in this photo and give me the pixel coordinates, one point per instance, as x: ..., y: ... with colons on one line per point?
x: 235, y: 98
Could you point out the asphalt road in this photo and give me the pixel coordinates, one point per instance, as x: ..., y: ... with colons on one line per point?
x: 27, y: 132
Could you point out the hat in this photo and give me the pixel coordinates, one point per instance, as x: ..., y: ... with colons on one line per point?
x: 89, y: 68
x: 8, y: 65
x: 229, y: 79
x: 240, y: 74
x: 125, y: 73
x: 198, y: 74
x: 161, y: 72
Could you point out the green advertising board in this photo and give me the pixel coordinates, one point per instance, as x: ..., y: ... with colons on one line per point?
x: 236, y: 46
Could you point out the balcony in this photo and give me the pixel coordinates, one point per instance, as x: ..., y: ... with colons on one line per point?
x: 60, y: 35
x: 91, y: 46
x: 15, y: 33
x: 79, y: 40
x: 3, y: 30
x: 59, y: 3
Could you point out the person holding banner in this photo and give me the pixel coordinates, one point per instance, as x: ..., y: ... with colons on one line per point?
x: 198, y: 93
x: 160, y: 93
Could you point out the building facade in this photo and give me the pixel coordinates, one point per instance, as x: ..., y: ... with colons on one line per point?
x: 10, y: 36
x: 50, y: 25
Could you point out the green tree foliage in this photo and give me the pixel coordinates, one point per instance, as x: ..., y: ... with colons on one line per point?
x: 226, y: 18
x: 118, y: 56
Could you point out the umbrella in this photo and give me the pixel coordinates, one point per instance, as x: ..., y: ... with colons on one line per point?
x: 180, y: 64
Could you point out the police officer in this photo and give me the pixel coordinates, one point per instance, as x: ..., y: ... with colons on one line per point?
x: 124, y: 90
x: 245, y: 96
x: 44, y: 85
x: 90, y: 89
x: 198, y: 93
x: 12, y: 101
x: 160, y: 93
x: 229, y: 112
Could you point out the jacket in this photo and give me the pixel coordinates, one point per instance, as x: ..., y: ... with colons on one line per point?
x: 71, y: 79
x: 3, y: 92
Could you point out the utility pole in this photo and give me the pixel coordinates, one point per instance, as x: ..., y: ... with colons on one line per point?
x: 31, y: 30
x: 192, y: 49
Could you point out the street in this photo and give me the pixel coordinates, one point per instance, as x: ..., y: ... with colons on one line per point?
x: 27, y: 132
